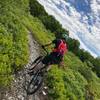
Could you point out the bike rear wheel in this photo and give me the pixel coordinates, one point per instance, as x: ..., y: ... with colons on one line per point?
x: 35, y: 83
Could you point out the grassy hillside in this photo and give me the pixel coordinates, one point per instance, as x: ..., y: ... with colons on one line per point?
x: 15, y: 24
x: 13, y: 38
x: 76, y: 81
x: 50, y: 23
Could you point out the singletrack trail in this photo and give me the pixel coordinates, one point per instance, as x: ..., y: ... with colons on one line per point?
x: 17, y: 89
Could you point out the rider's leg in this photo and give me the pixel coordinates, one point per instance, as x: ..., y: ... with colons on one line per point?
x: 47, y: 61
x: 50, y: 59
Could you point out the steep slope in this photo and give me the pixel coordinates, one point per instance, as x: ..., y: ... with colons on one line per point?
x: 76, y: 81
x: 17, y: 90
x: 13, y: 38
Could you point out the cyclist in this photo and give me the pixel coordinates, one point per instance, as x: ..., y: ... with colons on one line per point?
x: 56, y: 56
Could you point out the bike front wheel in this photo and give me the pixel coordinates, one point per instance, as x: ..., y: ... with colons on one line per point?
x: 35, y: 83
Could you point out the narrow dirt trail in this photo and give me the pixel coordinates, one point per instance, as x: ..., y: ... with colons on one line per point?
x: 17, y: 90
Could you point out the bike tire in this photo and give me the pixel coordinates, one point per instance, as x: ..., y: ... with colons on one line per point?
x: 34, y: 80
x: 36, y: 62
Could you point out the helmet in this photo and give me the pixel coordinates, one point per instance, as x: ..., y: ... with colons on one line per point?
x: 65, y: 37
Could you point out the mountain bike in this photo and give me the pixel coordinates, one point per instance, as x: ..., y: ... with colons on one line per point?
x: 38, y: 73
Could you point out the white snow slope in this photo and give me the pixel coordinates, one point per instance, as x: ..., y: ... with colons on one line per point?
x: 81, y: 18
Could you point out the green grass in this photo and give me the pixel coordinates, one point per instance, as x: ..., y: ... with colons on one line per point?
x: 75, y: 82
x: 13, y: 39
x: 74, y: 79
x: 15, y: 25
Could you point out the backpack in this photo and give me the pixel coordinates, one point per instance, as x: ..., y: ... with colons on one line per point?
x: 62, y: 48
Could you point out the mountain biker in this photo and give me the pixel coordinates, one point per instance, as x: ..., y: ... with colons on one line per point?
x: 56, y: 56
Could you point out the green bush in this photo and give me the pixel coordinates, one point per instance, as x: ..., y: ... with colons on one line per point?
x: 13, y: 38
x: 56, y: 84
x: 36, y: 9
x: 96, y: 63
x: 49, y: 21
x: 73, y: 45
x: 63, y: 86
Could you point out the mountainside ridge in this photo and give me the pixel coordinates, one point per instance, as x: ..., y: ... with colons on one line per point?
x: 78, y: 79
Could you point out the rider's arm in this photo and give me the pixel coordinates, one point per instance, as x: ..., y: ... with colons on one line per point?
x: 50, y: 43
x: 47, y: 44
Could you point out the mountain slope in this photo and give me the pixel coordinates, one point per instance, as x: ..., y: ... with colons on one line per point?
x: 76, y: 81
x: 81, y: 18
x: 17, y: 88
x: 13, y: 38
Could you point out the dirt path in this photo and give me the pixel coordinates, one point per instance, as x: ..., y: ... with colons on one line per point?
x: 17, y: 91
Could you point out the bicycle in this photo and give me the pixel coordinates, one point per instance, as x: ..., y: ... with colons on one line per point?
x: 37, y: 75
